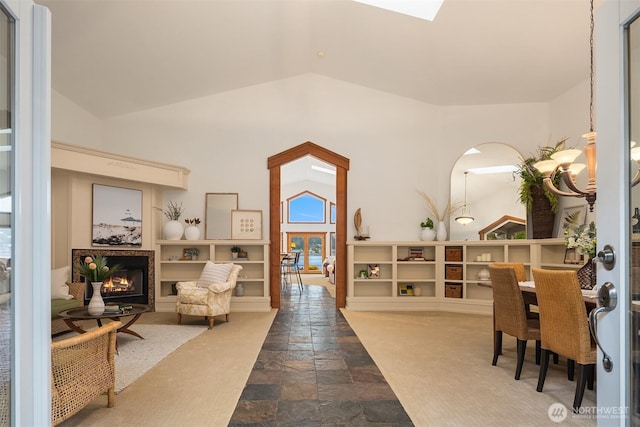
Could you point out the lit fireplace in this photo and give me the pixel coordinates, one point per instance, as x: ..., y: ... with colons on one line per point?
x: 132, y: 283
x: 120, y: 284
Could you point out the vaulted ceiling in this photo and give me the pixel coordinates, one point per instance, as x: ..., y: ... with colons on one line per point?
x: 116, y: 57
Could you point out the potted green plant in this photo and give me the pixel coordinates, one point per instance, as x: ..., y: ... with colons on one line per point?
x: 541, y: 203
x: 428, y: 233
x: 234, y: 251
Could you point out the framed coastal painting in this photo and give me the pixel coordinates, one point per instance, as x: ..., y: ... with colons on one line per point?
x: 117, y: 216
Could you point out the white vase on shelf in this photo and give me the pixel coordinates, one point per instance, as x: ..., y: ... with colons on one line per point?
x: 96, y: 303
x: 484, y: 274
x: 172, y: 230
x: 441, y: 233
x: 192, y: 233
x: 428, y: 234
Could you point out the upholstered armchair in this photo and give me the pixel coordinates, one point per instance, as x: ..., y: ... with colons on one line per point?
x: 211, y: 295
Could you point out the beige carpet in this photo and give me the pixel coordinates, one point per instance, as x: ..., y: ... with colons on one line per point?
x: 197, y: 385
x: 439, y: 365
x: 318, y: 280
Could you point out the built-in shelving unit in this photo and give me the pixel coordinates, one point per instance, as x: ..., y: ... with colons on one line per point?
x: 172, y: 267
x: 437, y: 275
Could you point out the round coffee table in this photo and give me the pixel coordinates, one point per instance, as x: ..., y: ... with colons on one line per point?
x: 76, y: 314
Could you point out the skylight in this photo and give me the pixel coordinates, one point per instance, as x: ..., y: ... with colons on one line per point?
x: 493, y: 169
x: 423, y: 9
x: 325, y: 170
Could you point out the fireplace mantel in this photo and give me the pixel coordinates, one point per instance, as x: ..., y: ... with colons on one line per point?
x: 89, y: 160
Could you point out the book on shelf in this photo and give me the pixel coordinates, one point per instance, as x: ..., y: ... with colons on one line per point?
x: 406, y: 289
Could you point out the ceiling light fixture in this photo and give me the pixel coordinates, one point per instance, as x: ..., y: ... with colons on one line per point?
x: 465, y: 218
x: 562, y: 161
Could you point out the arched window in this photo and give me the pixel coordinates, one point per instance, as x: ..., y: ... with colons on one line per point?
x: 306, y: 207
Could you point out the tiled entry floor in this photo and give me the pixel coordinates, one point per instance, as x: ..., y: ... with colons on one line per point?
x: 313, y: 370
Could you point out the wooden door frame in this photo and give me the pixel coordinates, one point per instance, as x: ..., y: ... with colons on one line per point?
x: 274, y: 164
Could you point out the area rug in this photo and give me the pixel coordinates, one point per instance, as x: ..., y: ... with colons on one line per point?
x: 136, y: 356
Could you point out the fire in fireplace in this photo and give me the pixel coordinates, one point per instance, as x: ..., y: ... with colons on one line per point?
x: 132, y: 283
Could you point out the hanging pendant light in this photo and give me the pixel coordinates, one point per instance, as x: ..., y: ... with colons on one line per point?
x: 465, y: 218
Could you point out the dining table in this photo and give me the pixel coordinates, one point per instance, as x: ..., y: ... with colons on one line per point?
x: 528, y: 290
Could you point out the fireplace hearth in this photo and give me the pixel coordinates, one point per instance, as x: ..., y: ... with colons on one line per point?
x: 132, y: 283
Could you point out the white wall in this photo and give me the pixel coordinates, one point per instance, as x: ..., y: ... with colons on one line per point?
x: 396, y: 145
x: 73, y: 124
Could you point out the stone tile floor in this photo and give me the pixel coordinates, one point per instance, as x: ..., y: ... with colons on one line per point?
x: 313, y: 370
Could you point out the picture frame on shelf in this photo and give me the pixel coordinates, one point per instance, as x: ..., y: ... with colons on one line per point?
x: 116, y: 217
x: 217, y: 220
x: 571, y: 217
x: 571, y: 256
x: 246, y: 224
x: 190, y: 254
x: 373, y: 271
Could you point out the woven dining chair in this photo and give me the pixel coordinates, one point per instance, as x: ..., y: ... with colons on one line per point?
x: 518, y: 268
x: 564, y: 327
x: 510, y: 315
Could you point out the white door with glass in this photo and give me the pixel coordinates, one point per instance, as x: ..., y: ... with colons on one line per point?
x: 617, y: 95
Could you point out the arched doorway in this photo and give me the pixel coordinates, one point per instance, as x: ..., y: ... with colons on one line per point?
x: 342, y: 166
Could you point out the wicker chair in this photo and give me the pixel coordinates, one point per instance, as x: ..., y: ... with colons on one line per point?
x: 564, y: 326
x: 510, y: 316
x: 82, y: 368
x: 209, y: 302
x: 77, y: 290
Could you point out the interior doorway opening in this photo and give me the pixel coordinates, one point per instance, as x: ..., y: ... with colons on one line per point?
x: 275, y: 163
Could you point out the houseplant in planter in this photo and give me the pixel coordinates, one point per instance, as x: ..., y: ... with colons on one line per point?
x: 541, y: 203
x: 441, y: 229
x: 234, y: 251
x: 428, y: 233
x: 95, y: 270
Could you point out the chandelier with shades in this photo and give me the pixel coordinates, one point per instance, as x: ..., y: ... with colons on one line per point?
x: 562, y: 162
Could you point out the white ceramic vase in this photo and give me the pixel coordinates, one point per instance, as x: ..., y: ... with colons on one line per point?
x: 172, y: 230
x: 192, y: 233
x: 239, y: 290
x: 441, y: 233
x: 484, y: 274
x: 96, y: 303
x: 428, y: 234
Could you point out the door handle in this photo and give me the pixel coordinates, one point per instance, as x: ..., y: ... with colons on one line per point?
x: 607, y: 301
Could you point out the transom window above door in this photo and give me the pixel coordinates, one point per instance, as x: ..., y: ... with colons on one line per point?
x: 306, y: 207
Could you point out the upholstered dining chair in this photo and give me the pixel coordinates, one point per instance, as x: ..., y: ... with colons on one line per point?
x: 564, y: 327
x: 510, y: 315
x: 209, y: 296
